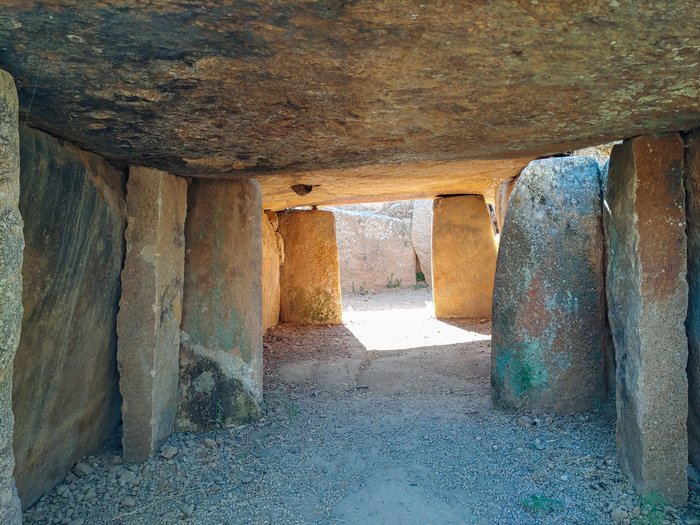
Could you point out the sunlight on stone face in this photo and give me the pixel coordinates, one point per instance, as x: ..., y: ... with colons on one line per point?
x: 403, y: 329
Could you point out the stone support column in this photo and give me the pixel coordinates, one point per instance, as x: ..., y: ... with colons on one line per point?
x: 463, y: 258
x: 310, y: 276
x: 11, y: 254
x: 148, y: 324
x: 221, y: 336
x: 548, y: 337
x: 692, y: 187
x: 647, y: 296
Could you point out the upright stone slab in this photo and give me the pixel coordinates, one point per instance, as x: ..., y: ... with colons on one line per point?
x: 692, y: 187
x: 647, y: 297
x: 309, y: 278
x: 221, y: 336
x: 463, y: 258
x: 422, y: 236
x: 11, y: 250
x: 548, y: 332
x: 150, y: 309
x: 271, y: 260
x: 66, y: 384
x: 501, y: 199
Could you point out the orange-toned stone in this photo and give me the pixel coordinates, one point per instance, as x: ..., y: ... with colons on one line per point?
x: 463, y: 257
x: 309, y: 278
x: 270, y: 271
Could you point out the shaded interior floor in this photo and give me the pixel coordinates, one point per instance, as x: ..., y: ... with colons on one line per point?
x: 358, y: 436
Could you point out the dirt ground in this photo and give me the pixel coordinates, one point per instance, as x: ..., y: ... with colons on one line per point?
x: 402, y: 434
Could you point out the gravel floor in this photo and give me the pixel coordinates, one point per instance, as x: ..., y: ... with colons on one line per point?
x: 359, y: 437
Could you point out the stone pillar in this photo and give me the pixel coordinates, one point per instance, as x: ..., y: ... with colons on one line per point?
x: 647, y: 296
x: 310, y: 276
x: 272, y: 258
x: 11, y: 253
x: 150, y: 309
x: 501, y: 199
x: 548, y: 334
x: 221, y: 335
x: 692, y: 187
x: 464, y: 257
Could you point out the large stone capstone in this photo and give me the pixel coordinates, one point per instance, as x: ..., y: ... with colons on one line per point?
x: 150, y: 309
x: 221, y: 336
x: 11, y: 248
x: 647, y: 297
x: 549, y: 300
x: 463, y: 257
x: 692, y: 187
x: 309, y: 278
x: 66, y: 387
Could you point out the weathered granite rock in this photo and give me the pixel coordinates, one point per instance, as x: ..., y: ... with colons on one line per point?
x: 692, y: 188
x: 374, y: 251
x: 309, y: 278
x: 463, y: 257
x: 11, y: 248
x: 549, y: 296
x: 323, y: 84
x: 647, y: 296
x: 422, y: 236
x: 271, y: 260
x: 221, y: 339
x: 501, y: 199
x: 66, y: 391
x: 150, y: 309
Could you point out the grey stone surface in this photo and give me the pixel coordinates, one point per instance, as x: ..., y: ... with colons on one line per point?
x: 11, y: 250
x: 221, y: 339
x: 549, y: 297
x: 66, y: 392
x: 692, y: 187
x: 647, y: 295
x: 374, y: 250
x: 150, y: 309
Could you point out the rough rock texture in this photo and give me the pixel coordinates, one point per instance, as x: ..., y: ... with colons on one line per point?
x: 11, y: 247
x: 204, y: 86
x: 692, y: 188
x: 66, y: 392
x: 422, y: 236
x: 501, y: 199
x: 463, y: 257
x: 549, y: 296
x: 309, y: 278
x: 647, y: 296
x: 374, y: 250
x: 272, y: 257
x: 221, y: 339
x: 387, y: 182
x: 150, y: 309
